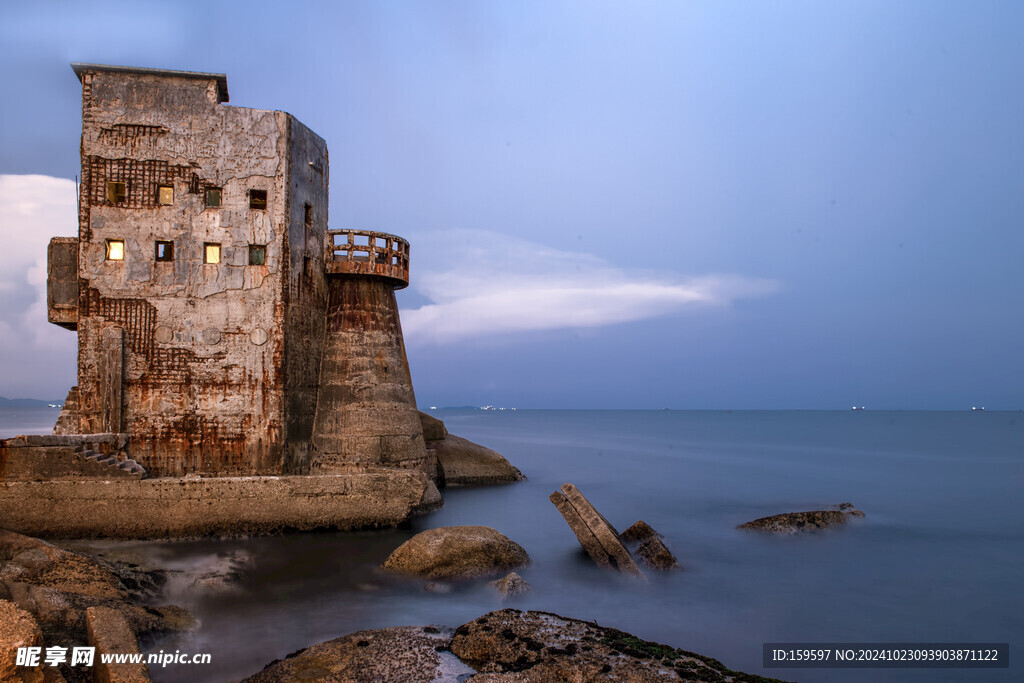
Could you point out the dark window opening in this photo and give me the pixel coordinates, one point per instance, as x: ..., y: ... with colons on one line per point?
x: 165, y: 195
x: 308, y: 218
x: 257, y: 255
x: 258, y: 199
x: 307, y: 267
x: 213, y: 197
x: 164, y: 251
x: 117, y: 193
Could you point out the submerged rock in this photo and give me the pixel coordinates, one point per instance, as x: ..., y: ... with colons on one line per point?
x: 801, y: 522
x: 597, y: 536
x: 510, y: 585
x: 464, y: 463
x: 656, y: 555
x: 389, y: 655
x: 457, y: 552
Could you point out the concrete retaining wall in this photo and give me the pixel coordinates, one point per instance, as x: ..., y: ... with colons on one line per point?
x: 175, y: 508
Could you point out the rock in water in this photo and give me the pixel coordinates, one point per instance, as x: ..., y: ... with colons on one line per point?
x: 389, y: 655
x: 512, y: 584
x: 457, y: 552
x: 595, y: 534
x: 640, y: 531
x: 656, y: 554
x: 538, y: 647
x: 800, y: 522
x: 464, y: 463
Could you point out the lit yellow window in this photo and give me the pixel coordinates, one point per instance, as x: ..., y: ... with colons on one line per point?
x: 115, y: 250
x: 212, y: 253
x: 166, y: 195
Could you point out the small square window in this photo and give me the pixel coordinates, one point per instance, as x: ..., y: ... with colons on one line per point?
x: 164, y: 251
x: 165, y: 195
x: 117, y: 193
x: 257, y: 255
x: 115, y: 250
x: 213, y: 197
x: 211, y: 253
x: 258, y: 199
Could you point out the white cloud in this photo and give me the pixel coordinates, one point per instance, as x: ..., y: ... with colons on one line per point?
x: 484, y: 284
x: 37, y: 359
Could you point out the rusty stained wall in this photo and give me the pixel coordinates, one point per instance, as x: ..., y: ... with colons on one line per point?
x: 203, y: 343
x: 305, y: 297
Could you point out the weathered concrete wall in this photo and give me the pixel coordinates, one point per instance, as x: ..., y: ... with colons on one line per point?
x: 305, y: 289
x: 366, y: 411
x: 194, y: 506
x: 203, y: 342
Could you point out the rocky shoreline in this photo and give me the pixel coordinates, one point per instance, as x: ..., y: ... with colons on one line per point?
x: 505, y: 645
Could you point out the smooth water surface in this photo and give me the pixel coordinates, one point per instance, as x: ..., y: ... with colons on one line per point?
x: 938, y: 558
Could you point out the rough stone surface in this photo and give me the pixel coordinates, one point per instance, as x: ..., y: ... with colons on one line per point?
x: 655, y: 554
x: 169, y: 508
x: 640, y: 531
x: 595, y: 534
x: 511, y: 584
x: 403, y: 654
x: 464, y: 463
x: 801, y: 522
x: 57, y: 586
x: 109, y: 633
x: 457, y: 552
x: 433, y: 428
x: 510, y: 645
x: 17, y: 629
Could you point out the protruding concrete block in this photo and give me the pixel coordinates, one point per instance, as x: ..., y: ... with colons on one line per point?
x: 110, y: 635
x: 597, y: 536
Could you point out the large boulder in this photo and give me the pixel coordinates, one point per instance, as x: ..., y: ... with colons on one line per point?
x: 597, y: 536
x: 17, y: 629
x: 536, y: 647
x: 402, y: 654
x: 464, y: 463
x: 457, y: 552
x: 791, y: 523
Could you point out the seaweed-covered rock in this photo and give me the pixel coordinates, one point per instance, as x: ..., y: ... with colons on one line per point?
x: 457, y: 552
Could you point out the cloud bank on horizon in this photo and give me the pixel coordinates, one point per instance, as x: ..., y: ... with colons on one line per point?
x: 37, y: 358
x: 482, y: 283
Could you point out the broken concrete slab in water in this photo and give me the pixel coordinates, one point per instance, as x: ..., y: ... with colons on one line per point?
x: 597, y: 536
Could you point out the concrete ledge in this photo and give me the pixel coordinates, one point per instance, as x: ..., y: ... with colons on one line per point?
x: 191, y: 507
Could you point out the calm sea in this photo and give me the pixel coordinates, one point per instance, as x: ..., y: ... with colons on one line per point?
x: 938, y: 558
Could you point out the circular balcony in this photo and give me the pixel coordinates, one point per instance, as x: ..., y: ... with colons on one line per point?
x: 362, y: 252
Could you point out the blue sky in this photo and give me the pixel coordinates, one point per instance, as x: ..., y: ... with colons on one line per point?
x: 619, y: 205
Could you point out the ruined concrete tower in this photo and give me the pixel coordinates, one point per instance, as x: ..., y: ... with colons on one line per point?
x: 366, y: 411
x: 200, y: 293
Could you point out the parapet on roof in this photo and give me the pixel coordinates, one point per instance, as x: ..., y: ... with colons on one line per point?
x: 222, y: 79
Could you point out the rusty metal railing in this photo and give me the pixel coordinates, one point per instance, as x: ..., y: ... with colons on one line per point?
x: 363, y: 252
